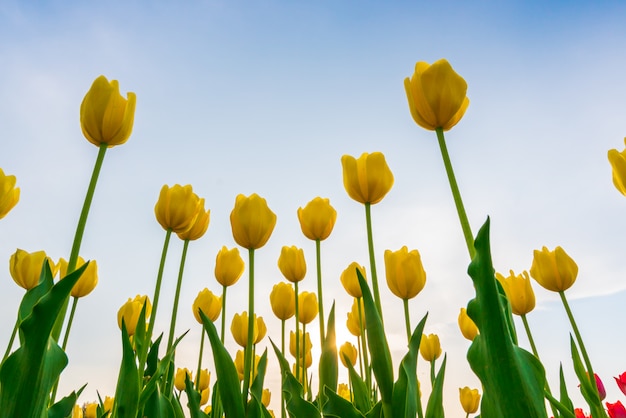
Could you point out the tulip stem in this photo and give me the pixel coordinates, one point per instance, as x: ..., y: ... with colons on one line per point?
x: 319, y: 290
x: 179, y: 283
x: 368, y: 378
x: 200, y: 361
x: 456, y: 194
x: 432, y: 373
x: 282, y: 351
x: 297, y: 332
x: 530, y: 337
x: 69, y: 323
x: 370, y: 245
x: 407, y: 319
x: 590, y: 373
x: 12, y: 339
x: 247, y: 365
x: 223, y: 313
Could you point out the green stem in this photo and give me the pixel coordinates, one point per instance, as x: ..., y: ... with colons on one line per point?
x: 358, y: 342
x: 200, y: 360
x: 370, y: 246
x: 155, y: 303
x: 179, y: 283
x: 407, y: 319
x: 583, y: 350
x: 247, y: 364
x: 320, y: 302
x: 12, y: 339
x: 69, y: 323
x: 467, y: 231
x: 530, y: 336
x: 302, y: 358
x: 282, y: 351
x: 297, y: 333
x: 432, y: 373
x: 223, y: 313
x: 368, y: 377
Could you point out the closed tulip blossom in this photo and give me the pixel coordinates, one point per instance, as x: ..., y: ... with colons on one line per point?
x: 130, y: 312
x: 470, y: 399
x: 105, y: 116
x: 229, y: 266
x: 518, y: 291
x: 239, y: 329
x: 554, y: 270
x: 179, y: 379
x: 616, y: 410
x: 25, y: 267
x: 177, y: 208
x: 239, y: 360
x: 621, y: 382
x: 355, y: 319
x: 305, y: 344
x: 266, y: 397
x: 77, y: 411
x: 88, y: 280
x: 343, y: 390
x: 348, y: 350
x: 252, y: 221
x: 200, y: 225
x: 350, y: 281
x: 430, y: 348
x: 262, y: 330
x: 317, y: 219
x: 9, y: 194
x: 437, y: 95
x: 292, y: 263
x: 205, y: 379
x: 618, y: 166
x: 308, y: 307
x: 467, y: 326
x: 366, y: 179
x: 405, y: 274
x: 209, y: 303
x: 283, y: 301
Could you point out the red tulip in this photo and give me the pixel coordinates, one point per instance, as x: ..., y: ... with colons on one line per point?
x: 621, y: 382
x: 616, y: 410
x: 580, y: 414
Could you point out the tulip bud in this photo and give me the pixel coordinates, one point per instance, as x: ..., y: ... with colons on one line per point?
x: 105, y: 116
x: 266, y: 397
x: 437, y: 95
x: 618, y: 166
x: 554, y: 270
x: 77, y: 411
x: 204, y: 396
x: 199, y: 226
x: 179, y: 379
x: 283, y: 301
x: 239, y: 363
x: 305, y: 344
x: 308, y: 307
x: 405, y: 274
x: 177, y: 208
x: 252, y: 221
x: 239, y: 329
x: 9, y: 194
x: 88, y: 279
x: 430, y: 348
x: 25, y: 268
x: 350, y: 280
x: 262, y: 330
x: 205, y: 379
x: 317, y: 219
x: 518, y: 291
x: 470, y: 399
x: 467, y: 326
x: 355, y: 318
x: 367, y: 179
x: 130, y: 311
x: 91, y: 410
x: 210, y: 304
x: 348, y: 350
x: 229, y: 266
x: 343, y: 390
x: 292, y: 264
x: 108, y: 404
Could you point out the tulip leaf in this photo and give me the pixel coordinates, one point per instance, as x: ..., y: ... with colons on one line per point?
x: 128, y: 381
x: 406, y: 391
x: 376, y: 411
x: 563, y: 410
x: 586, y: 387
x: 564, y: 396
x: 226, y: 373
x: 336, y: 406
x: 434, y: 408
x: 257, y: 385
x: 360, y: 394
x: 378, y: 347
x: 28, y: 374
x: 193, y: 399
x: 64, y: 407
x: 158, y: 406
x: 513, y: 379
x: 328, y: 367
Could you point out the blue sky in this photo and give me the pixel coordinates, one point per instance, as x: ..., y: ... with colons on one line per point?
x: 265, y: 97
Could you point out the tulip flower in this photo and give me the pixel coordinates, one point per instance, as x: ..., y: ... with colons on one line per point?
x: 600, y: 386
x: 292, y: 263
x: 9, y: 194
x: 239, y: 364
x: 430, y: 348
x: 252, y: 221
x: 350, y: 281
x: 130, y: 312
x: 88, y: 280
x: 618, y: 165
x: 470, y: 399
x: 262, y: 330
x: 210, y: 304
x: 467, y: 326
x: 179, y: 379
x: 239, y: 329
x: 405, y: 274
x: 204, y: 396
x: 25, y: 267
x: 621, y: 382
x: 105, y: 116
x: 518, y: 291
x: 317, y: 219
x: 353, y: 324
x: 343, y: 390
x: 305, y: 345
x: 266, y: 397
x: 437, y: 95
x: 308, y: 307
x: 177, y: 208
x: 554, y: 270
x: 229, y: 266
x: 366, y: 179
x: 91, y: 410
x: 199, y: 226
x: 205, y: 379
x: 616, y: 410
x: 108, y: 404
x: 578, y: 412
x: 348, y: 350
x: 283, y: 301
x: 77, y: 411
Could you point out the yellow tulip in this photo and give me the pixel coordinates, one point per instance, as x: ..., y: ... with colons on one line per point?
x: 9, y: 194
x: 292, y: 264
x: 239, y: 329
x: 618, y: 165
x: 25, y: 267
x: 283, y: 301
x: 350, y: 281
x: 470, y: 399
x: 77, y: 411
x: 252, y: 221
x: 209, y: 303
x: 317, y: 219
x: 308, y: 307
x: 266, y: 397
x: 348, y: 349
x: 105, y: 116
x: 229, y: 266
x: 467, y: 326
x: 91, y: 410
x: 554, y: 270
x: 353, y: 323
x: 367, y: 179
x: 199, y: 226
x: 205, y: 379
x: 430, y: 348
x: 405, y: 274
x: 88, y: 280
x: 204, y: 396
x: 260, y: 323
x: 343, y: 390
x: 518, y: 291
x: 130, y: 312
x: 305, y: 344
x: 239, y: 360
x: 177, y: 207
x: 437, y: 95
x: 108, y: 404
x: 179, y: 378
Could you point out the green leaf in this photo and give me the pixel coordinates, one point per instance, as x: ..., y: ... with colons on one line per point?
x: 193, y: 399
x: 405, y: 390
x: 328, y: 368
x: 158, y: 405
x: 378, y: 347
x: 376, y: 411
x: 28, y: 375
x: 586, y: 387
x: 64, y: 407
x: 360, y: 394
x: 336, y: 406
x: 564, y: 398
x: 128, y: 381
x: 226, y: 373
x: 513, y: 380
x: 434, y: 408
